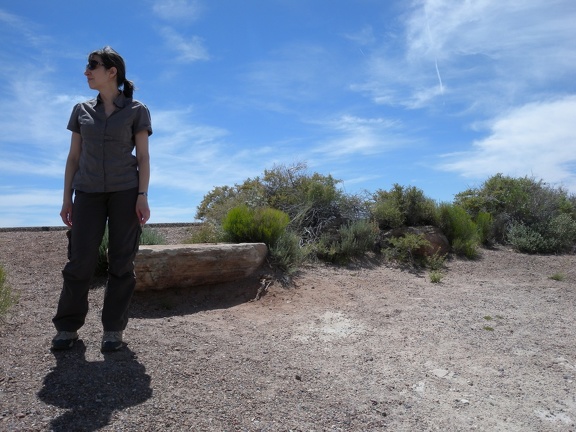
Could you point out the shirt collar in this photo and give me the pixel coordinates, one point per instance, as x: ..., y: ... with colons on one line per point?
x: 121, y: 101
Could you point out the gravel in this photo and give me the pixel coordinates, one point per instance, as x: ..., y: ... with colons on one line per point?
x: 367, y: 347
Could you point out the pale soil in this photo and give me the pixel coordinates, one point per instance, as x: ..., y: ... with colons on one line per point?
x: 369, y: 347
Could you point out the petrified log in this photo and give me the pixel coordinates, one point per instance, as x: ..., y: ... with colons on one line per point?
x: 158, y: 267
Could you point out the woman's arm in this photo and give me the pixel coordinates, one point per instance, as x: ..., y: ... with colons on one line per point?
x: 143, y: 157
x: 71, y: 168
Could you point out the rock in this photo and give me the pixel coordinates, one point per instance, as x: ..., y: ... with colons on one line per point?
x: 158, y: 267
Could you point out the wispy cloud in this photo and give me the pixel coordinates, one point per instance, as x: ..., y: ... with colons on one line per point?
x: 295, y: 72
x: 537, y: 139
x: 177, y: 10
x: 189, y: 48
x: 482, y: 48
x: 363, y: 37
x: 26, y: 206
x: 27, y: 31
x: 191, y: 156
x: 353, y: 135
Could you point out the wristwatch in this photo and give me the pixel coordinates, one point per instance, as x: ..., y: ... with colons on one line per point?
x: 143, y: 193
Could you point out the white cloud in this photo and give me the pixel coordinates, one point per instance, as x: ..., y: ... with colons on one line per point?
x: 538, y: 139
x: 363, y: 37
x: 189, y: 49
x: 30, y: 207
x: 186, y: 155
x: 177, y: 10
x: 295, y: 73
x: 34, y: 136
x: 183, y: 213
x: 486, y: 53
x: 359, y: 136
x: 17, y: 27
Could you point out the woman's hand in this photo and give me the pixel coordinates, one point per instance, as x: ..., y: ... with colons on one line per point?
x: 142, y: 209
x: 66, y: 213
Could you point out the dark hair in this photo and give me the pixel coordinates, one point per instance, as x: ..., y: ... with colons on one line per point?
x: 111, y: 58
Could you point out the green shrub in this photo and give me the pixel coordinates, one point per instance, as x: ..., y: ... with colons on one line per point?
x: 527, y: 240
x: 403, y: 248
x: 435, y: 276
x: 466, y: 247
x: 219, y: 201
x: 558, y: 235
x: 350, y: 241
x: 513, y: 201
x: 269, y: 225
x: 435, y: 262
x: 388, y: 214
x: 403, y: 206
x: 357, y: 238
x: 312, y: 201
x: 150, y: 236
x: 239, y: 224
x: 266, y: 225
x: 287, y: 254
x: 208, y: 232
x: 7, y: 298
x: 485, y: 227
x: 558, y: 277
x: 561, y: 231
x: 459, y: 228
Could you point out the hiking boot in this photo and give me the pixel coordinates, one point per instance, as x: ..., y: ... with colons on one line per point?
x: 64, y: 340
x: 111, y: 341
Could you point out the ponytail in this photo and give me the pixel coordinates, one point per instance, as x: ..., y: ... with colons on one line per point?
x: 128, y: 89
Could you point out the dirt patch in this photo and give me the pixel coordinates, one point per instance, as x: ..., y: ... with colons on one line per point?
x: 368, y: 347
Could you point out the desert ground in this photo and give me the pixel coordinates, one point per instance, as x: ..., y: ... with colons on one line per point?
x: 366, y: 347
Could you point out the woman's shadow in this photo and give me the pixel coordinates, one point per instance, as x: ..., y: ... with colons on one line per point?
x: 92, y: 391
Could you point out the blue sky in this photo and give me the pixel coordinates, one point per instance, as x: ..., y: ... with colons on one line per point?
x: 435, y: 94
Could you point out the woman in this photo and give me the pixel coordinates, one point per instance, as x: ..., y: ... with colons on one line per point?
x: 110, y: 186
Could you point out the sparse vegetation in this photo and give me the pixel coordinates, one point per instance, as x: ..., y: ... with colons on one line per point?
x: 403, y: 248
x: 403, y: 206
x: 287, y: 254
x: 558, y: 277
x: 436, y: 276
x: 435, y: 262
x: 7, y: 297
x: 530, y: 215
x: 208, y: 232
x: 150, y: 236
x: 326, y: 223
x: 460, y: 229
x: 348, y: 242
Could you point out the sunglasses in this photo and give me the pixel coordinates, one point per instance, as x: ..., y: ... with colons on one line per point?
x: 93, y: 64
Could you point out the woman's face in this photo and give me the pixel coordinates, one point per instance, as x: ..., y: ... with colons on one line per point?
x: 97, y: 75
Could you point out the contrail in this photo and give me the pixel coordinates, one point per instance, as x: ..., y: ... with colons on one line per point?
x: 435, y: 57
x: 439, y: 77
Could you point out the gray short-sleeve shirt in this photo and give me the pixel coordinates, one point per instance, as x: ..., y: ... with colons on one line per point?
x: 107, y: 162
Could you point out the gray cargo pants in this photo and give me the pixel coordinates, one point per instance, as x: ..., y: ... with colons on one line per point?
x: 90, y: 214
